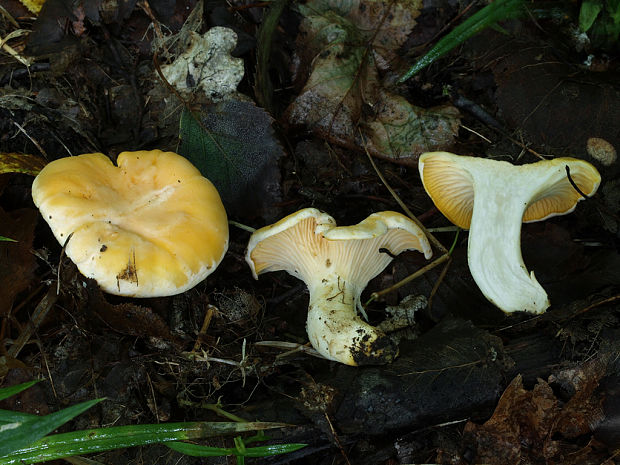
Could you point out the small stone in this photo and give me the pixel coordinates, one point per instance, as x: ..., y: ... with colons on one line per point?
x: 602, y: 151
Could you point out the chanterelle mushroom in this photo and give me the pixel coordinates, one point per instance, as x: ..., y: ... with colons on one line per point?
x: 492, y: 198
x: 336, y: 263
x: 151, y: 226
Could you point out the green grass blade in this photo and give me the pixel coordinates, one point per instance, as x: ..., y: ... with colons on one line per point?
x: 196, y: 450
x: 17, y: 435
x: 273, y: 449
x: 8, y: 416
x: 497, y: 11
x: 7, y: 392
x: 96, y: 440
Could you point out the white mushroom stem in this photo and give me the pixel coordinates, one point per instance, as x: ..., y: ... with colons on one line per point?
x: 494, y: 247
x: 334, y: 328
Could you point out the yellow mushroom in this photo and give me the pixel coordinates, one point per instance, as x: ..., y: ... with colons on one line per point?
x: 150, y: 226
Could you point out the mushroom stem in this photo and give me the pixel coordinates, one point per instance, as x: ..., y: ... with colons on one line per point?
x: 337, y: 332
x: 494, y: 247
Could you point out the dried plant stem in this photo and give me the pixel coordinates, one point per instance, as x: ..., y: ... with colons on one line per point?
x: 411, y: 277
x: 409, y: 213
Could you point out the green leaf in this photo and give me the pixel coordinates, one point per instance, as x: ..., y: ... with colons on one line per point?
x: 588, y: 12
x: 233, y: 144
x: 118, y: 437
x: 6, y: 239
x: 499, y: 10
x: 196, y: 450
x: 7, y: 392
x: 14, y: 436
x: 7, y: 416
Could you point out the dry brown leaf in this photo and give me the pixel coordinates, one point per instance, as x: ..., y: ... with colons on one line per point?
x: 536, y: 427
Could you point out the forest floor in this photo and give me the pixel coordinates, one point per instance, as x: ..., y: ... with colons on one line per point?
x: 471, y: 384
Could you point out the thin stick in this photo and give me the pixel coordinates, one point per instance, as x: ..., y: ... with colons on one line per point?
x: 205, y: 325
x: 409, y: 213
x: 242, y: 226
x: 440, y: 279
x: 37, y: 317
x: 411, y: 277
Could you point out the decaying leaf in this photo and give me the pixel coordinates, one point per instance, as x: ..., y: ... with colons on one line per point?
x: 21, y: 163
x: 127, y: 318
x: 535, y: 426
x: 207, y: 65
x: 238, y: 152
x: 342, y: 48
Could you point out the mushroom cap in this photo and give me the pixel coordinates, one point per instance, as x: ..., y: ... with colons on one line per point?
x: 151, y: 226
x: 450, y: 180
x: 308, y: 243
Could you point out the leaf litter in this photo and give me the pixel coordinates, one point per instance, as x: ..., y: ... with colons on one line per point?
x: 343, y: 48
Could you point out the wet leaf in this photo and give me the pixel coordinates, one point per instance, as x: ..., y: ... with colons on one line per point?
x: 343, y: 88
x: 18, y: 263
x: 127, y: 318
x: 21, y: 163
x: 533, y: 426
x: 238, y: 152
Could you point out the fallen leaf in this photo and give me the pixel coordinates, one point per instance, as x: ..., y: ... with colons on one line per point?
x: 536, y: 427
x: 127, y: 318
x: 207, y: 65
x: 238, y: 153
x: 343, y: 47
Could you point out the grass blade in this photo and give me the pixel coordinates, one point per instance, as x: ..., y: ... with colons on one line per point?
x: 8, y: 416
x: 497, y: 11
x: 7, y: 392
x: 196, y: 450
x: 14, y: 436
x: 96, y: 440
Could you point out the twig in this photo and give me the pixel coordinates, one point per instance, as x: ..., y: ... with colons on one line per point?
x: 205, y: 325
x: 37, y: 317
x: 411, y: 277
x: 242, y: 226
x: 336, y: 439
x: 410, y: 214
x: 31, y: 139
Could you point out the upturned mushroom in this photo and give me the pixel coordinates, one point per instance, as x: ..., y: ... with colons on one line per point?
x: 492, y: 198
x: 150, y: 226
x: 336, y: 264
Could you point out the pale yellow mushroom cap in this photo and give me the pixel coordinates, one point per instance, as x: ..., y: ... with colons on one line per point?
x: 151, y: 226
x: 449, y: 181
x: 308, y: 243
